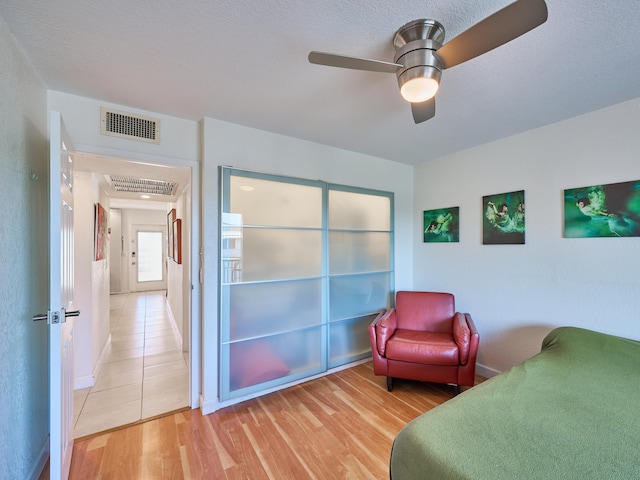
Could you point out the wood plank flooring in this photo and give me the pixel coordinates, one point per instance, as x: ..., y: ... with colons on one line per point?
x: 340, y: 426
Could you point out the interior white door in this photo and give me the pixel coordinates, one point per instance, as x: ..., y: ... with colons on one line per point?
x: 61, y: 314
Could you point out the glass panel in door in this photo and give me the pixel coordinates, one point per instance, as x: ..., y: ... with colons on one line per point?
x: 360, y: 268
x: 150, y: 256
x: 272, y: 315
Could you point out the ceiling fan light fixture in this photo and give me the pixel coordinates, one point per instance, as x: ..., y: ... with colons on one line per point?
x: 418, y: 90
x: 419, y: 84
x: 420, y: 55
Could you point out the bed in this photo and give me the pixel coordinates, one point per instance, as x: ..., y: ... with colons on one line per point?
x: 570, y: 412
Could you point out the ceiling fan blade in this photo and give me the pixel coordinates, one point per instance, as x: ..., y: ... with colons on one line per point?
x: 342, y: 61
x: 423, y: 111
x: 495, y: 30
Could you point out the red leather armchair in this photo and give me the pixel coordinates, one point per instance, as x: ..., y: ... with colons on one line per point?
x: 424, y: 338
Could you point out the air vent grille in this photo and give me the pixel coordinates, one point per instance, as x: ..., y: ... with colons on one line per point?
x: 142, y: 185
x: 124, y: 125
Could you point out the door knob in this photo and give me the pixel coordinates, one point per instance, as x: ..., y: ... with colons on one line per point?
x: 55, y: 316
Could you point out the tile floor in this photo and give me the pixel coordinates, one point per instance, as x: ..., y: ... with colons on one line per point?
x: 144, y: 373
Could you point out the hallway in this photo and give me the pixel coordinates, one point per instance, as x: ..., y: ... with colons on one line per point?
x: 145, y: 372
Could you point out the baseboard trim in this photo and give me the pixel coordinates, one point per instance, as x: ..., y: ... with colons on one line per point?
x: 486, y: 372
x: 41, y: 462
x: 208, y: 407
x: 174, y: 325
x: 89, y: 381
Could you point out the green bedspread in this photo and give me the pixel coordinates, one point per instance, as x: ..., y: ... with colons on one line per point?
x: 570, y: 412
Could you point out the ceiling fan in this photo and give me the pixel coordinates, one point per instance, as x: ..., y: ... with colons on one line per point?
x: 420, y: 55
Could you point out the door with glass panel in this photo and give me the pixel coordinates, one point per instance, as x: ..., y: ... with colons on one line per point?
x: 297, y: 288
x: 148, y: 258
x: 360, y: 266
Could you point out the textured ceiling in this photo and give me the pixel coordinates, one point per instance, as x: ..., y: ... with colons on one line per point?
x: 245, y: 62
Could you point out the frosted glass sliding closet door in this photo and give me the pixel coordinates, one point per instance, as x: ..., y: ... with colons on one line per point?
x: 359, y: 268
x: 299, y: 279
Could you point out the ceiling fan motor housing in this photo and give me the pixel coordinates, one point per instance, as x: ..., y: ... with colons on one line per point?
x: 415, y: 44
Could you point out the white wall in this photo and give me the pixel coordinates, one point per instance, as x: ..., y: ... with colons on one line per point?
x: 179, y: 137
x: 116, y: 247
x: 178, y: 275
x: 517, y: 293
x: 91, y: 291
x: 246, y: 148
x: 24, y: 258
x: 187, y: 277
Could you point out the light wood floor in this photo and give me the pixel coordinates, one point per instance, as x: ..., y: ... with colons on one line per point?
x: 337, y: 427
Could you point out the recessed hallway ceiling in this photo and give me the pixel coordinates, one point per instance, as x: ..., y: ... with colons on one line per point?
x: 125, y: 180
x: 245, y: 62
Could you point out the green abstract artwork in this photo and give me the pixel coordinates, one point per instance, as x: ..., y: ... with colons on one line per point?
x: 503, y: 218
x: 442, y: 225
x: 611, y: 210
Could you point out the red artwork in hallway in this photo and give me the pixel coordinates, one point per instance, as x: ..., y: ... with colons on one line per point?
x: 100, y: 232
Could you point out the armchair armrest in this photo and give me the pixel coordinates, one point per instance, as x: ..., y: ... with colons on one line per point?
x: 466, y: 372
x: 373, y: 335
x: 379, y: 361
x: 465, y: 335
x: 378, y: 318
x: 462, y: 336
x: 385, y: 326
x: 475, y: 338
x: 472, y: 326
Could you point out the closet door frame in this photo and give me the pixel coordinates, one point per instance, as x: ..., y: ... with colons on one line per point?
x: 239, y: 235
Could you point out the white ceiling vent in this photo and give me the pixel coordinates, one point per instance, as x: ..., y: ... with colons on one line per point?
x: 142, y: 185
x: 125, y: 125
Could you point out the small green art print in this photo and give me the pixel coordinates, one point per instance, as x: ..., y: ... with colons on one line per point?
x: 442, y: 225
x: 611, y: 210
x: 503, y: 218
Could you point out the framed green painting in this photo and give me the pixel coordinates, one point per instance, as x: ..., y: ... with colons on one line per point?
x: 610, y: 210
x: 503, y: 218
x: 441, y: 225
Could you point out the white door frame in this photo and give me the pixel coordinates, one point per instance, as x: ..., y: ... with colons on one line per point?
x: 195, y: 351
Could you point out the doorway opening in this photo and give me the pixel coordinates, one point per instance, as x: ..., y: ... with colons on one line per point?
x: 140, y: 364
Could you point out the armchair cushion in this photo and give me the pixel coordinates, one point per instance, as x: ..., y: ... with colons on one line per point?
x: 427, y: 348
x: 462, y: 336
x: 430, y: 311
x: 384, y: 329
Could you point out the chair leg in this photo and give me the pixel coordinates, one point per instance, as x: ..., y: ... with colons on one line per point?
x: 389, y: 383
x: 456, y: 390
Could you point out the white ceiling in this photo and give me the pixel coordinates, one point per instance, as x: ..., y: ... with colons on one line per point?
x: 245, y: 62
